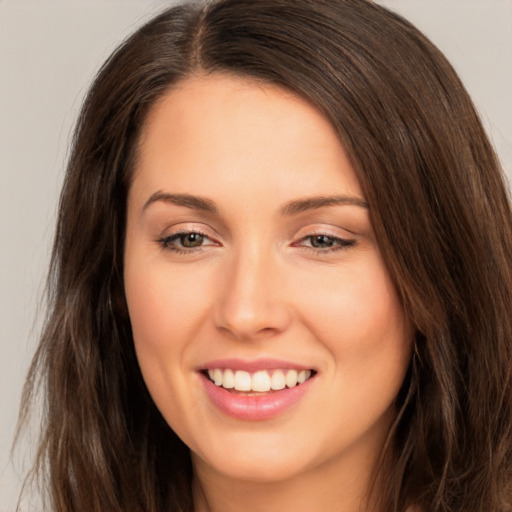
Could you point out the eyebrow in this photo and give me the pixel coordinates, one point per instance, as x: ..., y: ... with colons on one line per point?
x: 186, y: 200
x: 313, y: 203
x: 292, y: 208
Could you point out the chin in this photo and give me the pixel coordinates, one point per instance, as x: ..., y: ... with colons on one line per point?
x: 258, y: 465
x: 260, y: 471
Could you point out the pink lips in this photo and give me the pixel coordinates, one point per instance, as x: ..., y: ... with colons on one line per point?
x: 253, y: 407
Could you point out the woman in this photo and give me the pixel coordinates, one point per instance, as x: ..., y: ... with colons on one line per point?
x: 281, y: 274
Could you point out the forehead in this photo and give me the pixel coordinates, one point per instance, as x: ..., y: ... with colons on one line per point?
x: 223, y: 128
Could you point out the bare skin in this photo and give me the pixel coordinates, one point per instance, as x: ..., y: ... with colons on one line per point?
x: 248, y: 238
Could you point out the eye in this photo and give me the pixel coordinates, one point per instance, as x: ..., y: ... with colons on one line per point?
x: 191, y: 239
x: 322, y: 243
x: 185, y: 241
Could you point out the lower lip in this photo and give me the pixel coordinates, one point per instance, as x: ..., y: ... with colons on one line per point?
x: 255, y: 407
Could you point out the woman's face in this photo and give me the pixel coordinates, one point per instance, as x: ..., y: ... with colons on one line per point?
x: 250, y: 259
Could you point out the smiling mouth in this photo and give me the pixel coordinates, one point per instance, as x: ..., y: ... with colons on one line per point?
x: 263, y: 381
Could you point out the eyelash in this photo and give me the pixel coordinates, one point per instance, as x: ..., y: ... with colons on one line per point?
x: 338, y: 244
x: 166, y: 242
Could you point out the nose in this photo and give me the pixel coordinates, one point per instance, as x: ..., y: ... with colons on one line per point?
x: 253, y: 302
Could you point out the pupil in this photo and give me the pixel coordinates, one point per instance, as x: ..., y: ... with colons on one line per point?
x: 322, y: 241
x: 192, y: 240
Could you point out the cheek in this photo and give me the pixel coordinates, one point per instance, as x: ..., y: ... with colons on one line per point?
x: 357, y: 305
x: 152, y: 310
x: 164, y: 306
x: 358, y: 317
x: 165, y: 316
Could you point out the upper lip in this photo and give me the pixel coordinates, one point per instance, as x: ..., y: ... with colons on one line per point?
x: 253, y: 365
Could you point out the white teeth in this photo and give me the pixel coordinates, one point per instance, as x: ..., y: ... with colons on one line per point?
x: 303, y: 375
x: 217, y: 377
x: 278, y: 380
x: 291, y: 378
x: 228, y: 379
x: 242, y: 381
x: 261, y: 381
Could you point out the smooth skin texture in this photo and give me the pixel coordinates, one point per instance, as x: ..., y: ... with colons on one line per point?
x: 266, y: 275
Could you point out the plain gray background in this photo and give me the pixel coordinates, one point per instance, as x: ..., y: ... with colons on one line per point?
x: 49, y: 52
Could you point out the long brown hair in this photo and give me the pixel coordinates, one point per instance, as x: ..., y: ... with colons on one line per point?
x: 438, y: 206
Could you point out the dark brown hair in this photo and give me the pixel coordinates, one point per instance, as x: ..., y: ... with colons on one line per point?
x: 439, y: 209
